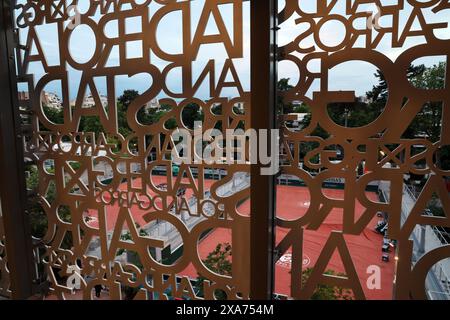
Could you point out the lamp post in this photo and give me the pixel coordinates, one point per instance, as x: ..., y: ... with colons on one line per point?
x: 346, y: 114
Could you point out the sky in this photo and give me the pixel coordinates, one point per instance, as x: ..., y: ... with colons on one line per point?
x: 354, y: 75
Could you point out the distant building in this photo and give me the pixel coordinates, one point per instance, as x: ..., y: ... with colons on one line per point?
x: 152, y: 105
x: 24, y: 95
x: 89, y: 101
x: 295, y: 120
x: 51, y: 100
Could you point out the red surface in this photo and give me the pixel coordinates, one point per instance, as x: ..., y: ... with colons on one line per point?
x: 292, y: 202
x: 365, y: 249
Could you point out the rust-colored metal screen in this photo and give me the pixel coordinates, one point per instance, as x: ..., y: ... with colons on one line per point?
x: 369, y: 144
x: 104, y: 85
x: 120, y: 213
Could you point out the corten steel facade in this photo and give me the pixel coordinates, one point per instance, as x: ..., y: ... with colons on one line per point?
x: 29, y: 139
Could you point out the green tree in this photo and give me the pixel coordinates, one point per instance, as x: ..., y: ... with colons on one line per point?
x: 91, y: 124
x: 302, y: 108
x: 122, y: 122
x: 428, y: 121
x: 37, y: 215
x: 157, y: 114
x: 358, y: 113
x: 379, y: 93
x: 146, y: 116
x: 282, y: 107
x: 123, y: 102
x: 127, y: 97
x: 326, y: 292
x: 190, y: 114
x: 55, y: 115
x: 218, y: 261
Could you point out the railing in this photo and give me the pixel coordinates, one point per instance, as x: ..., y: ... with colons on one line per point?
x: 426, y: 238
x: 440, y: 232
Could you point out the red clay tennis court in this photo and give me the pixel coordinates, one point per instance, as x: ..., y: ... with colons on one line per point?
x: 292, y: 203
